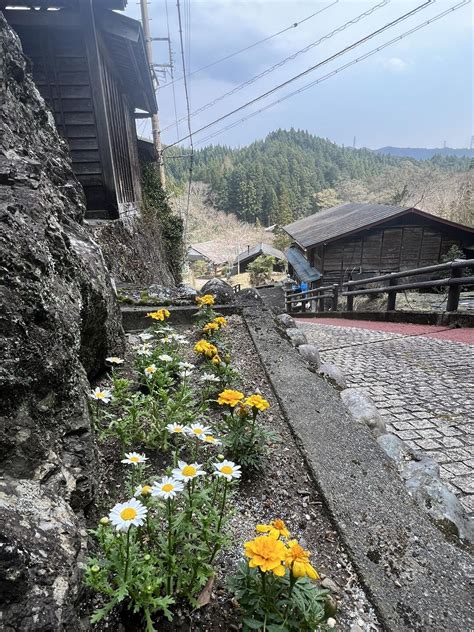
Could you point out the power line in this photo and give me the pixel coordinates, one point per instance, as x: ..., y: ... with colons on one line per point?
x: 281, y: 63
x: 242, y: 50
x: 172, y: 70
x: 190, y: 135
x: 338, y: 70
x: 311, y: 69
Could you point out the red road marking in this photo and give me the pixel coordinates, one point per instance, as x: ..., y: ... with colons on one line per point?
x: 460, y: 334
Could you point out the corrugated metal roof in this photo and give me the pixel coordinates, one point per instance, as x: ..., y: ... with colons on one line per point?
x: 339, y: 220
x: 301, y: 266
x: 260, y: 249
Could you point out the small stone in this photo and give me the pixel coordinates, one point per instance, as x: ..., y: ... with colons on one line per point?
x: 287, y: 321
x: 311, y: 354
x: 330, y: 584
x: 296, y: 337
x: 363, y: 409
x: 333, y: 374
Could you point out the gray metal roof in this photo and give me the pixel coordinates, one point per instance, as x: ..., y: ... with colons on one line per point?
x: 301, y: 266
x: 260, y: 249
x: 345, y: 219
x: 339, y: 220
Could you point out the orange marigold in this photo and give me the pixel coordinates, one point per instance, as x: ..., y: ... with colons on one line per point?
x: 297, y: 560
x: 257, y: 401
x: 267, y: 554
x: 160, y: 314
x: 230, y: 398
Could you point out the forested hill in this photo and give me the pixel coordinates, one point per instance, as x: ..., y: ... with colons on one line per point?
x: 285, y: 176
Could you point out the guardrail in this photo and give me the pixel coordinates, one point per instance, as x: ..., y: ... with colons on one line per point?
x: 453, y: 283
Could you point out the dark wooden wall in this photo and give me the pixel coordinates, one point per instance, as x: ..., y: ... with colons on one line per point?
x: 60, y: 71
x: 400, y: 244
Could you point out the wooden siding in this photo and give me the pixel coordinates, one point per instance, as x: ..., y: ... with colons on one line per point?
x: 60, y: 70
x: 388, y: 248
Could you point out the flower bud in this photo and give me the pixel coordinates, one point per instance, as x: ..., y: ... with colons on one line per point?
x: 147, y: 557
x: 220, y: 457
x: 104, y: 520
x: 95, y: 569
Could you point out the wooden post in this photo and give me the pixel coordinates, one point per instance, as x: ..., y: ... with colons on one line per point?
x: 321, y: 304
x: 350, y: 303
x: 335, y: 296
x: 391, y: 296
x: 287, y: 302
x: 454, y: 291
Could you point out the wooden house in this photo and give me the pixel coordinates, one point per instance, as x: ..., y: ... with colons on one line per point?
x: 362, y: 240
x: 90, y: 65
x: 250, y: 254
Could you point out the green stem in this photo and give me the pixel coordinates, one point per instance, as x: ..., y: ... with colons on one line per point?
x: 219, y: 524
x: 127, y: 556
x: 170, y: 549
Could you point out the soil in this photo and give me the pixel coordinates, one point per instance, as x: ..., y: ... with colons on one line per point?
x: 283, y: 489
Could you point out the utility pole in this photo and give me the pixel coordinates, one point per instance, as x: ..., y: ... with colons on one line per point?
x: 155, y: 121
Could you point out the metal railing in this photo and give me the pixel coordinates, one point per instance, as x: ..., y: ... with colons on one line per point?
x: 320, y: 294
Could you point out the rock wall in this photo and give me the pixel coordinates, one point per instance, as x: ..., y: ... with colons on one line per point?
x: 133, y: 250
x: 58, y: 320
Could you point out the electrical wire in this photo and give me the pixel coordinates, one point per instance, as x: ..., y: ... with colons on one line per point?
x: 338, y: 70
x: 172, y: 70
x: 389, y: 25
x: 243, y: 50
x: 281, y: 63
x: 190, y: 134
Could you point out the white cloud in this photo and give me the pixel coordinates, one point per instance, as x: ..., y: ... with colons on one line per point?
x: 395, y: 64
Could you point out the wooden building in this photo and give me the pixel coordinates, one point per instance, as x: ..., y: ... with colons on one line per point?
x: 363, y: 240
x: 90, y: 65
x: 250, y: 254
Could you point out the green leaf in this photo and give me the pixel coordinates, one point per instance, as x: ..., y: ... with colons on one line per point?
x: 253, y: 624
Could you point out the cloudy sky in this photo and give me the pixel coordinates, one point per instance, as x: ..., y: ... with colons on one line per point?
x: 416, y: 92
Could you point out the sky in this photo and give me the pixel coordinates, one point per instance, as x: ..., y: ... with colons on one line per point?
x: 417, y: 92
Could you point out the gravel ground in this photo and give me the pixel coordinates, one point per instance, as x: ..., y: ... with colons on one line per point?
x: 283, y: 490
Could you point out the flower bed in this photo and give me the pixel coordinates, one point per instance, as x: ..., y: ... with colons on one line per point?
x: 175, y: 526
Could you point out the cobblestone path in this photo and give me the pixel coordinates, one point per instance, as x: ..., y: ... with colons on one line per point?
x: 423, y: 387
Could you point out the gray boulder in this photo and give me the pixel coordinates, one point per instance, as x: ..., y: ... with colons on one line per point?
x: 42, y: 546
x: 296, y: 337
x: 286, y: 321
x: 396, y: 449
x: 311, y: 354
x: 363, y: 409
x: 333, y: 374
x: 423, y: 483
x: 249, y: 296
x: 59, y: 321
x: 222, y: 291
x: 186, y: 292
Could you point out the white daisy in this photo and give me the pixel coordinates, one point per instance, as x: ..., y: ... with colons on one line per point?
x: 168, y: 487
x: 186, y: 366
x: 178, y: 338
x: 150, y: 370
x: 185, y: 374
x: 133, y: 458
x: 144, y: 351
x: 210, y: 378
x: 198, y: 430
x: 210, y: 439
x: 187, y: 471
x: 164, y: 357
x: 143, y: 490
x: 102, y: 395
x: 176, y: 428
x: 144, y: 336
x: 114, y: 360
x: 227, y: 469
x: 124, y: 515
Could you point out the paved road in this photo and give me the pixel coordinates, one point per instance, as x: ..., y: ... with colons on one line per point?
x: 422, y: 381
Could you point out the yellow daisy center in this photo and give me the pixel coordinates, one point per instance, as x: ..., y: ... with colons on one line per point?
x: 189, y: 470
x: 178, y: 429
x: 168, y: 487
x: 135, y: 459
x: 100, y: 395
x: 226, y: 469
x: 198, y: 431
x: 129, y: 513
x: 209, y: 438
x: 146, y: 489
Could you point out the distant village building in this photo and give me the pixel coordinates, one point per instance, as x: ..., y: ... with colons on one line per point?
x: 215, y: 253
x: 362, y: 240
x: 90, y: 65
x: 250, y: 254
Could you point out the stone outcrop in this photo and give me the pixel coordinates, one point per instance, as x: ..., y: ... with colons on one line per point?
x: 133, y: 250
x: 222, y: 291
x: 59, y: 318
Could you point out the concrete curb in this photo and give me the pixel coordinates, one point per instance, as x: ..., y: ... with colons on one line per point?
x: 414, y: 577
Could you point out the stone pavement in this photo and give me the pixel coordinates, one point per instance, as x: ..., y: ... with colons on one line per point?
x: 423, y: 387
